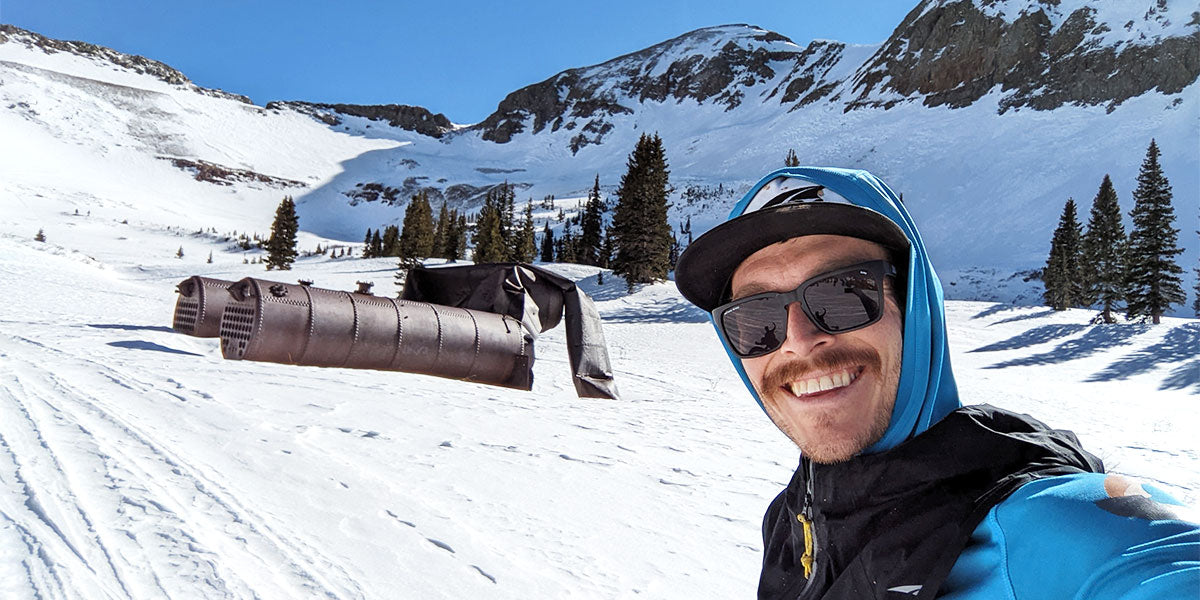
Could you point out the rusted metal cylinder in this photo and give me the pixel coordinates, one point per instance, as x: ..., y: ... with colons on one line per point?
x: 303, y: 325
x: 200, y: 305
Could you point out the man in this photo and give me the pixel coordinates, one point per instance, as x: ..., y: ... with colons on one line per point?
x: 822, y: 293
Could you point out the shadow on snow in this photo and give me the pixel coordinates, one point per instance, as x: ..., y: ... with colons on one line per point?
x: 124, y: 327
x: 1036, y: 315
x: 1099, y: 337
x: 144, y: 345
x: 681, y: 312
x: 998, y: 307
x: 1032, y: 337
x: 1177, y: 346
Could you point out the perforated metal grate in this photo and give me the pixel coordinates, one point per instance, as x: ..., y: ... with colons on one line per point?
x: 237, y: 324
x: 187, y: 313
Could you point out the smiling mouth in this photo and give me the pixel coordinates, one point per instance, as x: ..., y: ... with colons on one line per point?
x: 823, y: 383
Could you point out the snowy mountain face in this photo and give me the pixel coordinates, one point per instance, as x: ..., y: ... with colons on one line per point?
x: 1042, y: 54
x: 985, y: 115
x: 716, y: 65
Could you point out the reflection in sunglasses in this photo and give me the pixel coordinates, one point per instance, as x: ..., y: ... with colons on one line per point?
x: 751, y: 325
x: 768, y: 341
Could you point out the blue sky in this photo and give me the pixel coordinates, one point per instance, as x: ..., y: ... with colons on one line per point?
x: 457, y: 58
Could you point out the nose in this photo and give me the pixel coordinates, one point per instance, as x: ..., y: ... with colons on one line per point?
x: 803, y: 337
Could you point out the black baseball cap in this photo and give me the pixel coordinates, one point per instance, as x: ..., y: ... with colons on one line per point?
x: 785, y: 207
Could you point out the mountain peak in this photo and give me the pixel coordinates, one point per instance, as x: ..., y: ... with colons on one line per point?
x: 709, y: 65
x: 1041, y: 53
x: 129, y: 62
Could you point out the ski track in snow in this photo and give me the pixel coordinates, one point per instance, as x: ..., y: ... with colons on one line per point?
x: 148, y: 492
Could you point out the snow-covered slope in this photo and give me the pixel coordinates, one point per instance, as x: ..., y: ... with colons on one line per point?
x: 136, y: 463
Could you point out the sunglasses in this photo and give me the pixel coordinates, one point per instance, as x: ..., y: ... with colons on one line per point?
x: 841, y: 300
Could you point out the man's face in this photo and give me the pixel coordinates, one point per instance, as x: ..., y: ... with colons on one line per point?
x: 836, y: 424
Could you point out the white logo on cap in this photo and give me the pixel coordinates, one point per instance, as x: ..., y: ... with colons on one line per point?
x: 790, y: 190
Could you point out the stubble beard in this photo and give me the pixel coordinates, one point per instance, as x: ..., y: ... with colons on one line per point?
x: 824, y: 444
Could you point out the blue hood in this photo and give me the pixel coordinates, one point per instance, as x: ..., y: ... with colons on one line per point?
x: 927, y: 391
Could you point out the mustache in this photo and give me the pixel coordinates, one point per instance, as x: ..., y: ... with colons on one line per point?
x: 829, y: 360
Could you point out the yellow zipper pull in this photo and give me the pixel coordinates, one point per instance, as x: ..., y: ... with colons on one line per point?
x: 806, y: 560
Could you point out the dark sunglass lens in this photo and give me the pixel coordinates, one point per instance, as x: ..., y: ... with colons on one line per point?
x: 755, y: 327
x: 844, y: 300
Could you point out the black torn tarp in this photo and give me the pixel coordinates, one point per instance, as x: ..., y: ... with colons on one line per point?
x: 535, y: 296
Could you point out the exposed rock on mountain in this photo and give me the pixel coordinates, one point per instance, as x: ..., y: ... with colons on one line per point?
x: 1039, y: 54
x: 203, y: 170
x: 457, y: 196
x: 810, y: 79
x: 715, y: 64
x: 1042, y: 53
x: 133, y: 62
x: 410, y: 118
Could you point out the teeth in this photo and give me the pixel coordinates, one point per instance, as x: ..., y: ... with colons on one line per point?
x: 822, y: 383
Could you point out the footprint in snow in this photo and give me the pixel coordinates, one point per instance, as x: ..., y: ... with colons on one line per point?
x: 484, y: 573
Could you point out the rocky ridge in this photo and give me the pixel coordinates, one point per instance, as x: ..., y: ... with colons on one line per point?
x: 1041, y: 53
x: 410, y: 118
x: 715, y: 64
x: 132, y: 62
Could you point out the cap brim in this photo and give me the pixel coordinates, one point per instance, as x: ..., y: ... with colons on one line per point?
x: 706, y: 266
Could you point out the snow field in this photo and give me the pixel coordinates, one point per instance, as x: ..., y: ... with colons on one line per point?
x: 137, y: 463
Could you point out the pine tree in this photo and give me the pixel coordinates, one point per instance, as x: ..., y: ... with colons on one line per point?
x: 606, y: 248
x: 416, y: 238
x: 526, y: 238
x: 591, y: 234
x: 547, y: 250
x: 390, y: 241
x: 366, y: 245
x: 640, y: 230
x: 1061, y: 275
x: 508, y: 228
x: 281, y: 246
x: 406, y: 264
x: 489, y: 232
x: 1152, y: 277
x: 376, y: 245
x: 1196, y: 301
x: 568, y: 246
x: 440, y: 232
x: 791, y: 160
x: 456, y: 231
x: 459, y: 248
x: 1102, y: 265
x: 40, y: 237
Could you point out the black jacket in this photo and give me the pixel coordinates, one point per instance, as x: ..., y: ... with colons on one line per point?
x: 903, y: 516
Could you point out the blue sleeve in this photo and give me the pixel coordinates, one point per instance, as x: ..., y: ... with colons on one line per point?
x: 1086, y: 536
